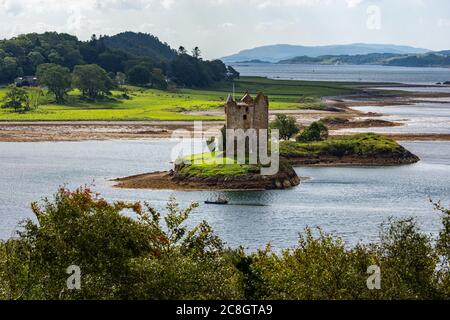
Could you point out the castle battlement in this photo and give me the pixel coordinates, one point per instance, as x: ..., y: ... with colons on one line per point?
x: 248, y: 113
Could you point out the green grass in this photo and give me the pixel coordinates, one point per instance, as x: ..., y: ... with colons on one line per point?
x: 215, y: 164
x: 367, y: 144
x: 149, y: 104
x: 294, y: 89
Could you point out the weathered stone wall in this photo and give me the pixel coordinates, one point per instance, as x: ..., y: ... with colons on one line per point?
x: 248, y: 113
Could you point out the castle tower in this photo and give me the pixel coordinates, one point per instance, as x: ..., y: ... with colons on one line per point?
x: 248, y: 113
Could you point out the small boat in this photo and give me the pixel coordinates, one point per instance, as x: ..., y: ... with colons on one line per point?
x: 219, y: 201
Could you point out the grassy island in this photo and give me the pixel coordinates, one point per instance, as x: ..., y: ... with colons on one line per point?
x: 212, y: 171
x: 359, y: 149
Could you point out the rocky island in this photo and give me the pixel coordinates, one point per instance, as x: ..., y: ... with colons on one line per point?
x: 215, y: 171
x: 367, y: 149
x: 230, y: 176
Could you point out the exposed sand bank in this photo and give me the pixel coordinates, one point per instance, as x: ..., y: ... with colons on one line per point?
x: 129, y: 130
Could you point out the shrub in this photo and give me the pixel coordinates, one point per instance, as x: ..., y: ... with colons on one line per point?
x: 16, y: 98
x: 317, y: 131
x: 287, y: 126
x: 155, y: 256
x: 81, y: 228
x: 340, y: 148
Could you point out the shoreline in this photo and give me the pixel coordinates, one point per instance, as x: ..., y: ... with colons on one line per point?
x: 71, y: 131
x: 167, y: 180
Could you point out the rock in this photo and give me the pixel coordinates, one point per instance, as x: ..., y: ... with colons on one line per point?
x: 287, y: 184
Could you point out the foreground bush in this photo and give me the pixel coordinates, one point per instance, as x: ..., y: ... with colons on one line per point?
x: 130, y: 251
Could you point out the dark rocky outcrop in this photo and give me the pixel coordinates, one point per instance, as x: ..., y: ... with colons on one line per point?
x: 379, y: 159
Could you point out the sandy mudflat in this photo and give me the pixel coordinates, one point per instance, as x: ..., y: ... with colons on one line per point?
x: 115, y: 130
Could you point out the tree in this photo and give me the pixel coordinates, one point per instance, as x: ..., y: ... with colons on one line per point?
x: 55, y: 57
x: 286, y: 125
x: 34, y: 98
x: 56, y: 78
x: 232, y: 73
x: 189, y: 71
x: 92, y: 80
x: 317, y: 131
x: 139, y: 75
x: 158, y: 79
x: 196, y: 53
x: 9, y: 69
x: 182, y: 50
x: 120, y: 78
x: 36, y: 58
x: 16, y: 98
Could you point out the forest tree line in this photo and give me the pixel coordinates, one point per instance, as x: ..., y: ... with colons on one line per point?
x: 140, y: 59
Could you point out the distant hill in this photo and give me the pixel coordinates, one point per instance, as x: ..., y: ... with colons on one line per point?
x: 275, y: 53
x: 143, y: 58
x: 254, y: 61
x: 22, y: 55
x: 140, y: 44
x: 432, y: 59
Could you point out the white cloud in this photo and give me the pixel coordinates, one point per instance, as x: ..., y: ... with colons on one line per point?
x: 221, y: 27
x: 443, y: 23
x: 353, y: 3
x: 167, y: 4
x: 227, y: 25
x: 11, y: 7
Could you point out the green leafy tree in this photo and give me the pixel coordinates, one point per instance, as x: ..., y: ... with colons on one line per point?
x: 317, y: 131
x: 56, y: 78
x: 196, y: 53
x: 55, y: 57
x: 129, y: 250
x: 158, y: 79
x: 34, y: 98
x: 92, y: 80
x: 232, y: 73
x: 16, y: 98
x: 139, y: 75
x: 120, y: 78
x: 182, y: 50
x: 9, y: 69
x: 120, y: 257
x: 286, y: 125
x: 36, y: 58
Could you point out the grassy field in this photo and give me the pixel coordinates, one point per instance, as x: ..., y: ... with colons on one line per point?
x: 216, y: 164
x: 149, y: 104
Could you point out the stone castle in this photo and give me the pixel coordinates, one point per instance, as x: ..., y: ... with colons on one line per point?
x: 248, y: 113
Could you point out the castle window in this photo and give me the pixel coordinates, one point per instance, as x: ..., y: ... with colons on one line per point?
x: 246, y: 110
x: 245, y: 117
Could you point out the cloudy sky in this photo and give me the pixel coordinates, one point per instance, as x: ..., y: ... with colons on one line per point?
x: 222, y: 27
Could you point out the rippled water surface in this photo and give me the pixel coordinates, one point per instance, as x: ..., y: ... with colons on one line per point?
x: 350, y: 202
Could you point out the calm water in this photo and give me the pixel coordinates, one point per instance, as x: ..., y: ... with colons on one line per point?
x: 346, y: 73
x: 419, y: 118
x: 350, y: 202
x: 438, y: 89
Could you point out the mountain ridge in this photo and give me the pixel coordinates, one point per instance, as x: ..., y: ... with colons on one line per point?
x: 431, y: 59
x: 278, y: 52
